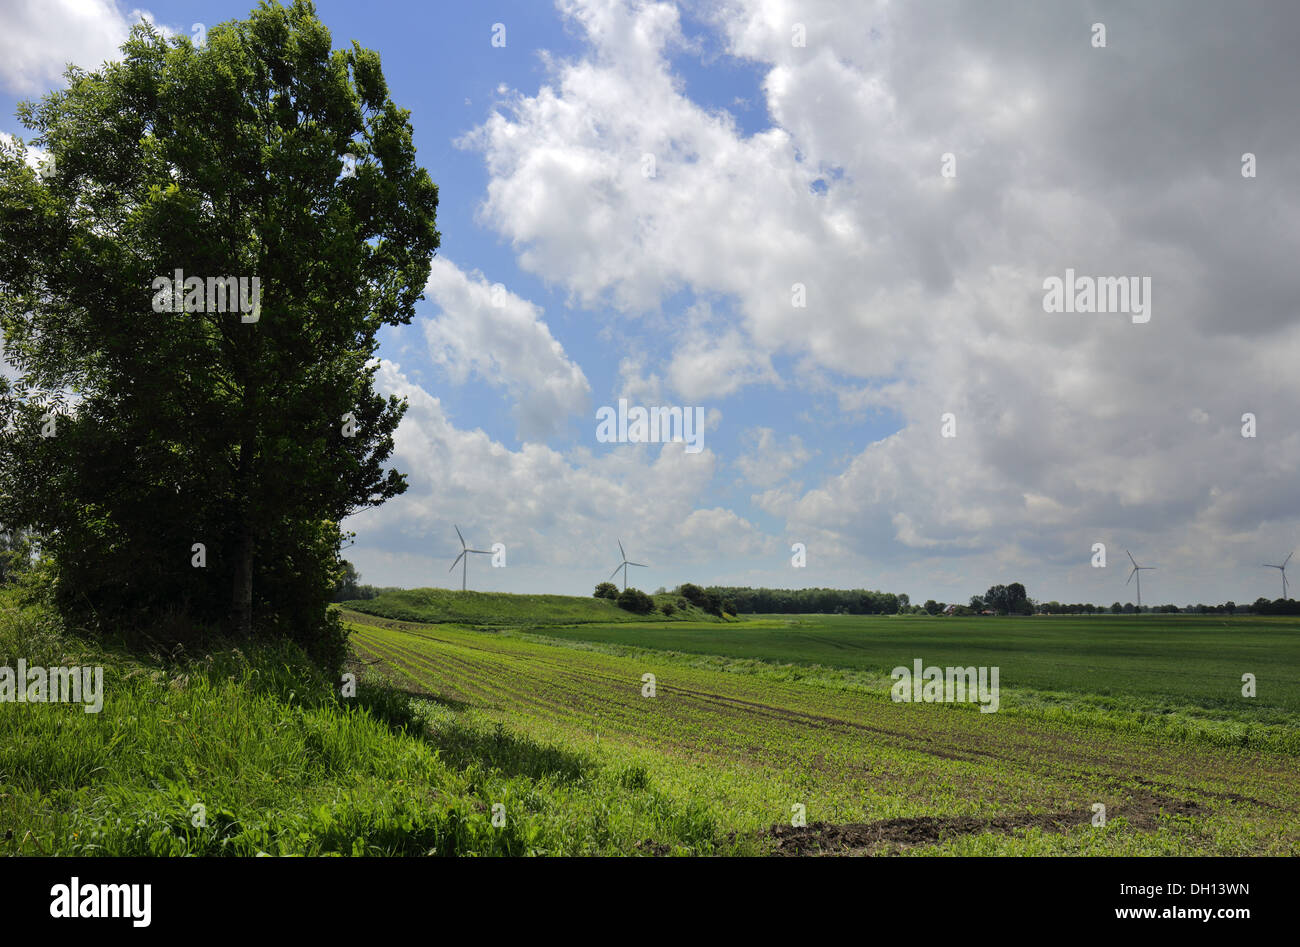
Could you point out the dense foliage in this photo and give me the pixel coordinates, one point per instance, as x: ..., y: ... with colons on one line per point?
x: 796, y: 601
x: 196, y: 461
x: 635, y: 601
x: 349, y: 587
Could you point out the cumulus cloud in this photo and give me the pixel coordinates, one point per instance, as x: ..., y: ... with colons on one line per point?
x: 714, y: 365
x: 485, y: 330
x: 39, y: 38
x: 924, y: 293
x: 559, y: 514
x: 766, y: 461
x: 638, y: 385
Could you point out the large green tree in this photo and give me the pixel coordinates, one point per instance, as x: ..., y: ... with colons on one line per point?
x: 1008, y: 599
x: 132, y: 434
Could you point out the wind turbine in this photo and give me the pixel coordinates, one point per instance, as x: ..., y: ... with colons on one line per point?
x: 1282, y: 569
x: 624, y: 564
x: 464, y: 554
x: 1137, y: 571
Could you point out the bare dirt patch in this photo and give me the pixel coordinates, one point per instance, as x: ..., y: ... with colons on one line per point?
x: 865, y: 838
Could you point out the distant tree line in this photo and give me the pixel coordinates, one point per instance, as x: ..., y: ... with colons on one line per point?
x: 1009, y: 599
x: 1279, y: 606
x: 1261, y: 606
x: 999, y: 599
x: 1056, y: 608
x: 808, y: 601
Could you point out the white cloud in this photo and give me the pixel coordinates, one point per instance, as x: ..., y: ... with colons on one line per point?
x: 38, y: 38
x: 722, y: 529
x: 637, y: 385
x: 928, y: 290
x: 488, y: 331
x: 714, y: 366
x: 766, y: 461
x: 559, y: 514
x: 34, y: 157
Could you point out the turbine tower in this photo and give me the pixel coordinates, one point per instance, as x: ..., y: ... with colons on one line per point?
x: 464, y: 555
x: 624, y: 564
x: 1137, y: 571
x: 1282, y: 569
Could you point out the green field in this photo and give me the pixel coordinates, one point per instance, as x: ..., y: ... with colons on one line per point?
x: 524, y: 735
x: 749, y: 720
x: 1188, y: 665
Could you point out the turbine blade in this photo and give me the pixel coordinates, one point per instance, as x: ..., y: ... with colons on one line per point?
x: 1288, y: 558
x: 620, y: 550
x: 641, y: 564
x: 1131, y: 574
x: 1130, y: 557
x: 459, y: 536
x: 456, y: 560
x: 616, y: 568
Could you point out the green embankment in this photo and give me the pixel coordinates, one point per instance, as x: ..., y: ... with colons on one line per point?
x: 501, y: 608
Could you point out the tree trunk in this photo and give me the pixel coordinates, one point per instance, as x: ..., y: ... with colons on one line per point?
x: 242, y: 595
x: 241, y: 609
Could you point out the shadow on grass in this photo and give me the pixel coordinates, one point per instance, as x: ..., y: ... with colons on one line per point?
x: 513, y: 754
x: 450, y: 703
x: 442, y: 723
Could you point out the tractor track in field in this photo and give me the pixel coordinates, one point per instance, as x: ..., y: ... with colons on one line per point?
x: 618, y: 716
x: 882, y: 837
x: 899, y: 739
x: 752, y: 708
x: 1226, y: 796
x: 705, y: 699
x: 902, y: 739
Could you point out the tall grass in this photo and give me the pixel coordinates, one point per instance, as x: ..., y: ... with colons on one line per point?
x: 282, y: 764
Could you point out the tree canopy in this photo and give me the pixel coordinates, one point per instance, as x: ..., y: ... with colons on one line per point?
x: 189, y: 458
x: 1008, y: 599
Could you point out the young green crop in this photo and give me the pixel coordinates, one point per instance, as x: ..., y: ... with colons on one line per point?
x: 748, y: 740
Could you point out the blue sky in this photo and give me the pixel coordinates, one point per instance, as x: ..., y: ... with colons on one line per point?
x: 819, y: 163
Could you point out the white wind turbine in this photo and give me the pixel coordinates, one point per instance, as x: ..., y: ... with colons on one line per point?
x: 624, y: 564
x: 464, y: 555
x: 1137, y: 571
x: 1282, y: 569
